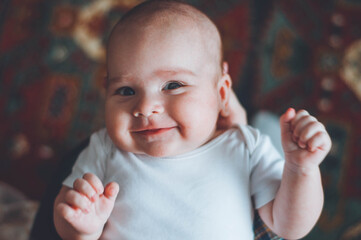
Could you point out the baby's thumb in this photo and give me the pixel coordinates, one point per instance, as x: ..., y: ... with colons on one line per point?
x: 285, y: 121
x: 111, y: 191
x: 286, y: 129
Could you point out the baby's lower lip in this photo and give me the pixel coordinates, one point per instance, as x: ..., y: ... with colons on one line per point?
x: 157, y: 131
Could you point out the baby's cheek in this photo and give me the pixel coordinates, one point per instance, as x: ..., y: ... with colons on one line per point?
x: 199, y: 113
x: 117, y: 124
x: 189, y: 108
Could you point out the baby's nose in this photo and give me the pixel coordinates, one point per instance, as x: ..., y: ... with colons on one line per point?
x: 148, y: 106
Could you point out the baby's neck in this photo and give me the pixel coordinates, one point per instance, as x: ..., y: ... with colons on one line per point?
x: 216, y: 133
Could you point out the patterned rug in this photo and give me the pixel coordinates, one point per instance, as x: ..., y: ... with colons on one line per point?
x: 302, y: 53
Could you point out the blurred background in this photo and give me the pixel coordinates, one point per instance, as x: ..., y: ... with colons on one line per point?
x: 300, y: 53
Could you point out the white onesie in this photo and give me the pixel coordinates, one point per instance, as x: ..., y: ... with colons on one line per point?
x: 209, y: 193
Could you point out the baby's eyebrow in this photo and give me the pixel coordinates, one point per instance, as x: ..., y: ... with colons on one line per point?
x: 173, y: 71
x: 119, y: 77
x: 161, y: 72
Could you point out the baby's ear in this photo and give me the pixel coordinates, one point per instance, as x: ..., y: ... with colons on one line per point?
x: 224, y: 90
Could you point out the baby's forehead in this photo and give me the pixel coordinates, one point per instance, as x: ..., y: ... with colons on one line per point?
x: 168, y: 20
x: 170, y: 16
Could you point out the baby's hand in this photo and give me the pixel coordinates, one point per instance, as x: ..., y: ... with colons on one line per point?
x: 304, y: 139
x: 88, y: 205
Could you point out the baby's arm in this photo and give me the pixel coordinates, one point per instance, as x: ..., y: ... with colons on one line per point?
x: 299, y: 201
x: 82, y: 211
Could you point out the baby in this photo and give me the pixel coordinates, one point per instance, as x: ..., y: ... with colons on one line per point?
x: 164, y: 168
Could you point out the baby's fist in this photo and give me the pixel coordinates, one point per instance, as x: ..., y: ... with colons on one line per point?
x: 304, y: 137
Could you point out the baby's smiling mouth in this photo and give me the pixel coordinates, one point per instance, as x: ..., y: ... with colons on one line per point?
x: 153, y: 131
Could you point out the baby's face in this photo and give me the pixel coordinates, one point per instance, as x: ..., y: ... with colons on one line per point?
x: 163, y: 93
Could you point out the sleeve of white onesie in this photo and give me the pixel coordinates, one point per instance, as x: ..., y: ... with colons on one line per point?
x: 90, y: 160
x: 266, y: 167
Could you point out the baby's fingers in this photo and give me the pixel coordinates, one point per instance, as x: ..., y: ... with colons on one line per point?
x: 321, y: 140
x: 107, y: 200
x: 67, y: 212
x: 308, y: 130
x: 299, y: 117
x: 77, y: 201
x: 111, y: 191
x: 301, y: 123
x: 84, y: 187
x: 94, y: 181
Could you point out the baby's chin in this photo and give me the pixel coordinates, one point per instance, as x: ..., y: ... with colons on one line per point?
x: 166, y: 147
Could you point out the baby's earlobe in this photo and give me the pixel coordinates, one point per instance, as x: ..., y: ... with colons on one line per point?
x: 224, y: 111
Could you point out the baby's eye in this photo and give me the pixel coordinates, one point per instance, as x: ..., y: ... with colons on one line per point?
x: 173, y: 85
x: 125, y: 91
